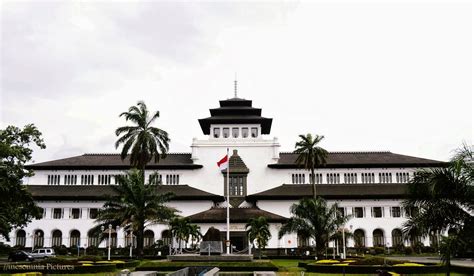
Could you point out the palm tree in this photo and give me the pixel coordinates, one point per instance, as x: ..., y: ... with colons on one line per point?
x: 258, y: 230
x: 310, y: 155
x: 134, y: 206
x: 448, y: 247
x: 313, y: 217
x: 195, y: 234
x: 182, y: 229
x: 143, y: 141
x: 442, y: 198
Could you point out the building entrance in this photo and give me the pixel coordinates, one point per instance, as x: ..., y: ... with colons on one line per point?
x: 238, y: 240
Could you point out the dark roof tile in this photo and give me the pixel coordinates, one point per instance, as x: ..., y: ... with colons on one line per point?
x: 96, y: 192
x: 113, y: 161
x: 214, y: 215
x: 333, y: 191
x: 360, y: 159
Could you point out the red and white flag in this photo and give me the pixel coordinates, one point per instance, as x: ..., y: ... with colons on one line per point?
x: 223, y: 163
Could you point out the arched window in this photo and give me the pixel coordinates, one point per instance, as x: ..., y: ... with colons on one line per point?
x: 359, y: 238
x: 148, y: 238
x: 75, y: 239
x: 166, y: 237
x: 303, y: 241
x: 38, y: 238
x: 379, y: 240
x: 57, y: 239
x: 129, y: 238
x: 93, y: 239
x: 113, y: 240
x: 397, y: 238
x: 20, y: 238
x: 433, y: 240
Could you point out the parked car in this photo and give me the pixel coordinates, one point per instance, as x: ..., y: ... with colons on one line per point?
x: 43, y: 253
x: 19, y: 256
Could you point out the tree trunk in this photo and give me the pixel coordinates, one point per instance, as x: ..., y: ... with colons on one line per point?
x: 311, y: 177
x: 141, y: 230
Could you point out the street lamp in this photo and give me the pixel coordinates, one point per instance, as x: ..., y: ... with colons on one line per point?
x: 131, y: 243
x: 109, y: 230
x: 343, y: 243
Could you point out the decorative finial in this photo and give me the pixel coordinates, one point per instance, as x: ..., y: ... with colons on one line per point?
x: 235, y: 86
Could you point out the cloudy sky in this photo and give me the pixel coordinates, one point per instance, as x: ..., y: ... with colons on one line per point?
x: 371, y: 75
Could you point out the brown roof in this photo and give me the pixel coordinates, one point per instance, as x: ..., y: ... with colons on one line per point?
x: 215, y: 215
x: 175, y: 161
x: 360, y: 160
x: 93, y: 192
x: 333, y: 191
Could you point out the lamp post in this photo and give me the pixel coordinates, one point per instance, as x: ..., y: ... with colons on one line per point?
x: 131, y: 244
x: 343, y: 243
x: 109, y: 230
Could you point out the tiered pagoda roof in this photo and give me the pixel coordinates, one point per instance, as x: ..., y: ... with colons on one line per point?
x: 236, y: 111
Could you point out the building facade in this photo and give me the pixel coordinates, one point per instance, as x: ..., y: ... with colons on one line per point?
x: 263, y: 181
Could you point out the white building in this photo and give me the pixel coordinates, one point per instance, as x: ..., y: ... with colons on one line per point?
x: 263, y: 181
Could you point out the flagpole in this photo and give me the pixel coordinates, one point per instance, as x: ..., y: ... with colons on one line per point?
x: 228, y: 203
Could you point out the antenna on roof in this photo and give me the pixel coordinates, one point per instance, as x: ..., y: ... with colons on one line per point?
x: 235, y: 85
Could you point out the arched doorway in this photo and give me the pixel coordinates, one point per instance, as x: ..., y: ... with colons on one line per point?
x: 57, y: 239
x: 75, y: 238
x: 93, y: 239
x: 379, y: 240
x: 38, y: 238
x: 148, y: 238
x: 20, y: 238
x: 397, y: 237
x: 166, y: 237
x: 359, y: 238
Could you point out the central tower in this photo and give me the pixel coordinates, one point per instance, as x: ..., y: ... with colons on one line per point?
x: 235, y: 119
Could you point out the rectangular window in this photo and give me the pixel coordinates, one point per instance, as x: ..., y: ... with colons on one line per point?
x: 341, y: 211
x: 225, y: 132
x: 245, y: 132
x: 57, y: 213
x: 235, y: 132
x: 254, y: 132
x: 43, y: 212
x: 377, y: 212
x: 358, y: 212
x: 75, y: 213
x: 93, y: 213
x: 396, y: 212
x: 217, y: 132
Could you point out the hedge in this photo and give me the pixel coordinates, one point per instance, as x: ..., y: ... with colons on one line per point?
x: 223, y: 266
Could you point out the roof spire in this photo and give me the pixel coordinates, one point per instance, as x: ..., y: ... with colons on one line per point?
x: 235, y: 86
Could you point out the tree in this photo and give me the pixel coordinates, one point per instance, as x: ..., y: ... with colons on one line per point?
x: 310, y: 155
x: 448, y: 247
x: 134, y: 206
x: 143, y: 141
x: 258, y: 230
x: 313, y: 217
x: 443, y: 198
x: 195, y: 234
x: 182, y: 230
x: 17, y: 207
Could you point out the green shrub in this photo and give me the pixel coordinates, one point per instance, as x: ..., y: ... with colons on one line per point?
x: 90, y: 258
x: 379, y: 250
x: 408, y: 250
x: 400, y: 248
x: 5, y: 249
x: 60, y: 250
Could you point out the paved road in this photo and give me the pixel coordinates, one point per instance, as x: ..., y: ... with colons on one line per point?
x: 458, y: 262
